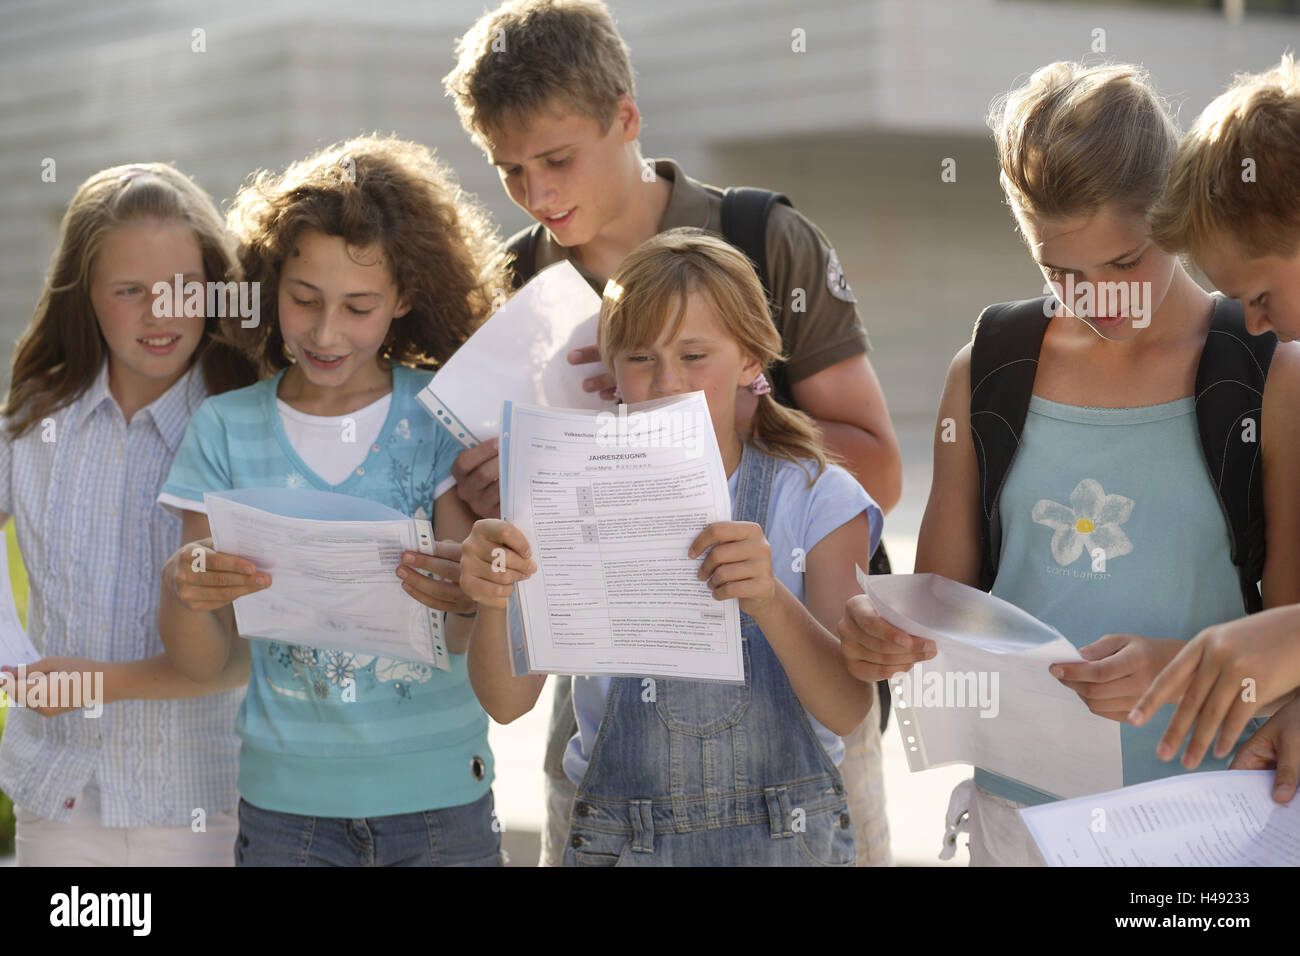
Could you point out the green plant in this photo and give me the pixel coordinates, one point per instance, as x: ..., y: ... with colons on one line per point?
x: 18, y: 581
x: 6, y: 805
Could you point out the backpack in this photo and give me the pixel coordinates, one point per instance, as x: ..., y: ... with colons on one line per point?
x: 1230, y: 380
x: 745, y: 211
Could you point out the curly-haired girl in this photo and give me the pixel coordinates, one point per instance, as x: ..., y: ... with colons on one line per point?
x: 373, y: 268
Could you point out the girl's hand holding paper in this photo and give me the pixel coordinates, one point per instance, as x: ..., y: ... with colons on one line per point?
x: 442, y: 591
x: 1116, y: 670
x: 1275, y: 746
x: 873, y: 648
x: 738, y: 564
x: 493, y: 558
x: 204, y: 579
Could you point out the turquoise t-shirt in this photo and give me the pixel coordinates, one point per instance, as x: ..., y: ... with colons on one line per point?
x: 1110, y: 525
x: 414, y: 738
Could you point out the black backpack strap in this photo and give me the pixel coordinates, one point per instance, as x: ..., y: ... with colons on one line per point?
x: 1004, y: 360
x: 745, y: 211
x: 744, y: 224
x: 1229, y: 398
x: 522, y: 247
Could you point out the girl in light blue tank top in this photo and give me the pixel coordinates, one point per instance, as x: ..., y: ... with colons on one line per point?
x: 1111, y: 530
x: 1110, y: 526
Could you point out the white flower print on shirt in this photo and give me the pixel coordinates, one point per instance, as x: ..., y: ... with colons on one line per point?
x: 1092, y: 520
x: 294, y: 480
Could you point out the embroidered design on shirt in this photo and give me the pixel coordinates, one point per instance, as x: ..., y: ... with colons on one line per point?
x: 294, y: 480
x: 836, y: 280
x: 403, y: 429
x: 1092, y: 520
x: 337, y: 676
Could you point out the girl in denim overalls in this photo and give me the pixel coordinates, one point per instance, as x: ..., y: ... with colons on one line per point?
x: 702, y: 773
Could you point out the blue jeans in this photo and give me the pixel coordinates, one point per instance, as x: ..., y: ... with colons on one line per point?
x: 453, y: 836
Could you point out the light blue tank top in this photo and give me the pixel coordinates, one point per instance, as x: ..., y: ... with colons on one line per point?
x: 1110, y: 525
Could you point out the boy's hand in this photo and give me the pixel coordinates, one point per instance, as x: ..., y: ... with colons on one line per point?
x: 478, y: 478
x: 1209, y: 675
x: 224, y: 577
x: 1275, y: 746
x: 738, y: 564
x: 49, y: 666
x: 444, y: 595
x: 604, y: 382
x: 1115, y: 671
x: 492, y: 559
x: 874, y: 649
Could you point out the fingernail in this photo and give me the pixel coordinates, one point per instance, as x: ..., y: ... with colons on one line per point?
x: 1135, y: 717
x: 574, y: 355
x: 532, y: 567
x: 902, y: 640
x: 402, y: 572
x: 1056, y: 671
x: 1163, y: 751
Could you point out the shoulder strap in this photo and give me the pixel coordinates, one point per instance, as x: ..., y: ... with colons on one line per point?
x: 745, y: 211
x: 744, y: 224
x: 1229, y: 397
x: 522, y: 247
x: 1004, y: 360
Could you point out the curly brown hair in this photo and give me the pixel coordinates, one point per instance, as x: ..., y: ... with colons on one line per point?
x: 442, y: 249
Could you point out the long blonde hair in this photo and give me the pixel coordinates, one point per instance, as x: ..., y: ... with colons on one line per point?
x: 62, y: 348
x: 648, y: 293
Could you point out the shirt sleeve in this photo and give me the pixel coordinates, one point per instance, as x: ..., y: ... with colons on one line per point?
x: 202, y: 463
x: 836, y: 498
x: 816, y: 311
x: 6, y: 468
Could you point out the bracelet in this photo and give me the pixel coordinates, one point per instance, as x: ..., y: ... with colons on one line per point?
x: 473, y: 613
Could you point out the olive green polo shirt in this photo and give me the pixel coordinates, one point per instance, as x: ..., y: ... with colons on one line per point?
x: 819, y: 327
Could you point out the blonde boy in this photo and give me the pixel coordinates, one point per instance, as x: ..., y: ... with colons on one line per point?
x: 1233, y: 197
x: 1233, y: 203
x: 546, y: 89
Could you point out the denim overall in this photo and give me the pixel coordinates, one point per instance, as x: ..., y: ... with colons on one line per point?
x: 695, y: 773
